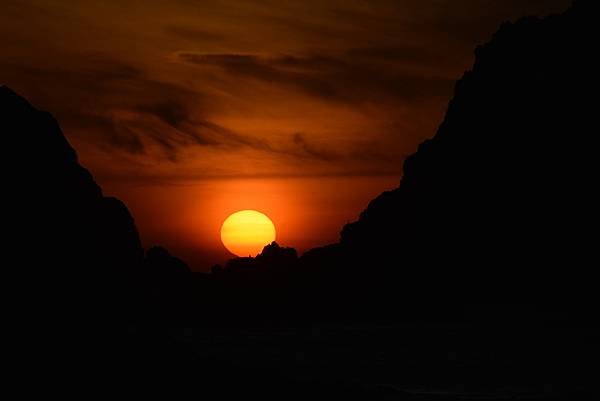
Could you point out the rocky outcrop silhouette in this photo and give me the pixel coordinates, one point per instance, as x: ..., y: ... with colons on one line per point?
x: 505, y: 189
x: 272, y: 259
x: 75, y: 259
x: 78, y: 243
x: 273, y: 255
x: 80, y: 296
x: 161, y: 263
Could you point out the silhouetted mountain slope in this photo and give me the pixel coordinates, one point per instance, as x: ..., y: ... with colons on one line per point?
x: 272, y: 257
x: 505, y: 190
x: 83, y: 244
x: 72, y: 252
x: 75, y: 258
x: 91, y: 310
x: 161, y: 263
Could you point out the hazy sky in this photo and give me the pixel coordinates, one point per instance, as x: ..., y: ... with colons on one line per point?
x: 191, y: 110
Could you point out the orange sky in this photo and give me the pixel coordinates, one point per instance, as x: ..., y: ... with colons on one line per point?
x: 190, y: 110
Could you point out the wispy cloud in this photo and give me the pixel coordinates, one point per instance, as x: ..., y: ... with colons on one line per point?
x: 348, y: 79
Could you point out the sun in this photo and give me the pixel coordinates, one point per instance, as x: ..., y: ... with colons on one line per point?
x: 245, y: 233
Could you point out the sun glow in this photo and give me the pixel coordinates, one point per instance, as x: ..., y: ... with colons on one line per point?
x: 246, y: 232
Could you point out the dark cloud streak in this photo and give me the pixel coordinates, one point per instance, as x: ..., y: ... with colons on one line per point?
x: 311, y: 150
x: 329, y: 78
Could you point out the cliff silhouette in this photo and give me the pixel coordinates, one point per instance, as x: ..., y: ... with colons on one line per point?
x: 503, y: 193
x: 77, y: 243
x: 500, y: 203
x: 80, y: 288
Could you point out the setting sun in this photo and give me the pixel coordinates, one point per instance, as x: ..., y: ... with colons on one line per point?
x: 246, y: 232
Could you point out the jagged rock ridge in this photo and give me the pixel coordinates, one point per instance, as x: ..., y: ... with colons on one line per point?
x: 506, y: 186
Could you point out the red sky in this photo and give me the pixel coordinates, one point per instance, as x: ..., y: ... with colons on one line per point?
x: 191, y: 110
